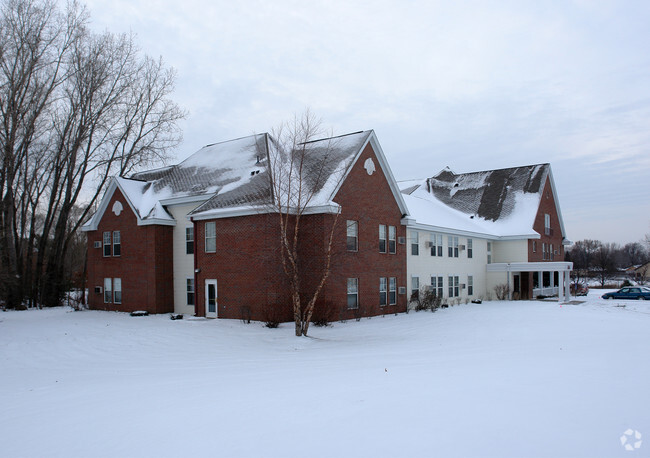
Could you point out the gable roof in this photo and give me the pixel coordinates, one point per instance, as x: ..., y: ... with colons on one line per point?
x: 234, y: 178
x: 501, y: 203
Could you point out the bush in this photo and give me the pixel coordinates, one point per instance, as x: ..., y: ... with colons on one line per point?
x: 324, y: 312
x: 272, y: 316
x: 426, y: 299
x: 502, y: 292
x: 626, y: 283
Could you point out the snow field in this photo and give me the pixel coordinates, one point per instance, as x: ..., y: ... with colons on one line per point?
x: 498, y: 379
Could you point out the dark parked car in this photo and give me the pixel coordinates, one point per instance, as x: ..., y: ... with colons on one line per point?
x: 629, y: 292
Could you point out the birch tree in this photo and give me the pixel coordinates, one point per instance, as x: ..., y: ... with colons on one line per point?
x: 298, y: 173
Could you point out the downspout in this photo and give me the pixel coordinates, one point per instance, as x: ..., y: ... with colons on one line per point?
x: 196, y: 267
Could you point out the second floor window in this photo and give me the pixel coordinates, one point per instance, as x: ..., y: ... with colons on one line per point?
x: 470, y: 251
x: 547, y: 224
x: 453, y: 247
x: 392, y: 245
x: 107, y: 243
x: 189, y: 240
x: 352, y: 235
x: 415, y: 243
x: 382, y: 238
x: 117, y: 243
x: 210, y: 237
x: 436, y: 244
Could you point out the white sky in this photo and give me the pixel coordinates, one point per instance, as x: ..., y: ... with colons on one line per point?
x: 473, y: 85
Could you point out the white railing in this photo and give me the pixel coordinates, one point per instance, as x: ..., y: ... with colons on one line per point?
x: 546, y: 291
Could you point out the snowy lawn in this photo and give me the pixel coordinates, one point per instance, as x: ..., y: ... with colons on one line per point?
x: 497, y: 379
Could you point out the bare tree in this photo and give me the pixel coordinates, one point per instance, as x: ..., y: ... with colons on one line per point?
x: 604, y: 262
x: 298, y: 173
x: 75, y: 108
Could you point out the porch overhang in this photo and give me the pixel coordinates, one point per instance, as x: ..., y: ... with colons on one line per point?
x: 530, y: 267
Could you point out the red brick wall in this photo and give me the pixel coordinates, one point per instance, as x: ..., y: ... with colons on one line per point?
x: 247, y: 267
x: 247, y: 263
x: 145, y: 264
x: 546, y: 206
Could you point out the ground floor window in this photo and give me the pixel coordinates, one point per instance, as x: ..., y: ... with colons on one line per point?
x: 108, y: 290
x: 117, y: 290
x: 392, y: 290
x: 190, y: 291
x: 437, y: 285
x: 353, y: 293
x: 454, y: 289
x: 415, y: 288
x: 383, y: 287
x: 470, y: 285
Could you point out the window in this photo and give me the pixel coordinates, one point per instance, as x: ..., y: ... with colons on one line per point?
x: 437, y: 285
x: 470, y: 285
x: 190, y: 291
x: 382, y: 291
x: 436, y: 244
x: 547, y: 224
x: 392, y: 245
x: 108, y: 290
x: 392, y: 290
x: 543, y: 251
x: 550, y: 252
x: 189, y: 240
x: 353, y: 235
x: 107, y: 243
x: 415, y: 287
x: 534, y: 246
x: 415, y: 243
x: 117, y: 290
x: 489, y: 252
x: 470, y: 252
x: 353, y: 293
x: 210, y: 237
x: 452, y: 249
x: 454, y: 289
x: 382, y: 238
x: 117, y: 243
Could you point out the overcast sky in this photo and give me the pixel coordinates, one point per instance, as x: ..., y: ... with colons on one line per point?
x: 471, y: 85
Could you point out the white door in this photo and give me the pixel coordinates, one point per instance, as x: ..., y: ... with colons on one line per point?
x: 211, y: 298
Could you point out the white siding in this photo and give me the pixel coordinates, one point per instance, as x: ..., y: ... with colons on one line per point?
x: 424, y: 265
x: 183, y: 262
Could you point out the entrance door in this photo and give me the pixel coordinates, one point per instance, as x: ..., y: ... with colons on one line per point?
x: 211, y: 298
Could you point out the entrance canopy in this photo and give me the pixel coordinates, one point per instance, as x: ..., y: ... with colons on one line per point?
x: 563, y: 268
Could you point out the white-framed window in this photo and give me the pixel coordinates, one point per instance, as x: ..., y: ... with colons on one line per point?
x: 415, y: 243
x: 547, y: 224
x: 470, y: 285
x: 383, y: 291
x: 392, y: 244
x: 415, y: 287
x: 117, y: 243
x: 437, y: 285
x: 353, y: 235
x: 489, y: 252
x: 108, y: 290
x: 452, y: 249
x: 544, y: 251
x: 534, y: 246
x: 210, y: 237
x: 189, y: 286
x: 436, y: 245
x: 454, y: 286
x: 353, y: 293
x: 189, y: 240
x: 470, y: 250
x: 382, y: 238
x: 107, y: 244
x: 117, y: 290
x: 392, y: 290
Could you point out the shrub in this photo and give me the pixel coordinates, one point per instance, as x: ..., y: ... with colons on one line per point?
x: 272, y: 316
x: 324, y: 312
x: 501, y: 291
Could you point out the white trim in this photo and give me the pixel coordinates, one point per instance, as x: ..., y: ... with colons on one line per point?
x: 331, y: 208
x: 186, y: 199
x: 409, y: 223
x: 562, y: 266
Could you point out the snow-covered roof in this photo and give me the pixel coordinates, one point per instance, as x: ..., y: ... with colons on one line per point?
x: 498, y: 203
x: 234, y: 178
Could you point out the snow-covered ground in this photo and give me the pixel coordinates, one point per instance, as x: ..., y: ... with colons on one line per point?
x: 503, y: 379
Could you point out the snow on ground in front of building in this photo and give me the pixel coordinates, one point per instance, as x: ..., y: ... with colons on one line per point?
x: 503, y: 379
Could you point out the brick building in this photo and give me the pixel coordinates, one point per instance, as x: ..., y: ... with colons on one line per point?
x: 202, y: 237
